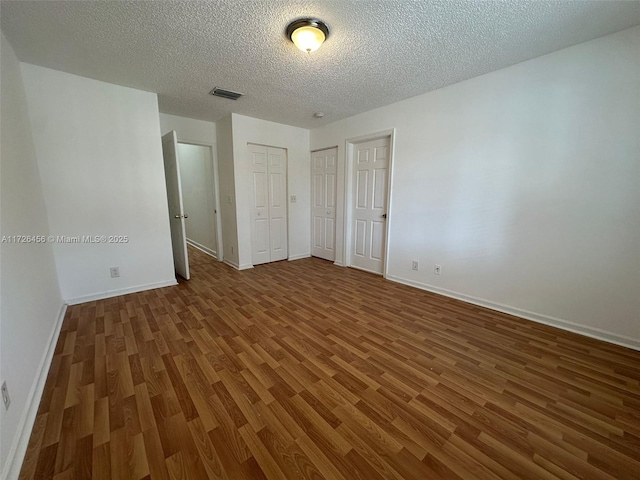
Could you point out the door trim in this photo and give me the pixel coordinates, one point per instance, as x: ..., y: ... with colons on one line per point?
x: 348, y: 193
x: 325, y: 148
x: 216, y: 184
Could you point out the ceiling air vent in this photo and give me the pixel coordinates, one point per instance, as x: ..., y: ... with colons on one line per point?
x: 228, y: 94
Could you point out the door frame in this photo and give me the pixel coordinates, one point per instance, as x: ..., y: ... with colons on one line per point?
x: 286, y: 184
x: 216, y: 185
x: 335, y: 233
x: 348, y: 193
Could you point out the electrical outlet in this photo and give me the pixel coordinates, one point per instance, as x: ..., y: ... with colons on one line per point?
x: 229, y: 199
x: 414, y: 265
x: 437, y: 269
x: 5, y: 396
x: 115, y: 272
x: 293, y: 199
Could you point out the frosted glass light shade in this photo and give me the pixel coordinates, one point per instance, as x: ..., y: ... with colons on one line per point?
x: 307, y: 33
x: 308, y: 39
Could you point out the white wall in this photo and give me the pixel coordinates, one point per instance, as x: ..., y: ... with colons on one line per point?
x: 31, y: 302
x: 296, y: 141
x: 227, y: 191
x: 189, y: 129
x: 524, y: 184
x: 100, y: 159
x: 198, y: 193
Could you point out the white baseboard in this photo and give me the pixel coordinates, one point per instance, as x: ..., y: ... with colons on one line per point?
x: 202, y: 248
x: 18, y: 449
x: 592, y: 332
x: 298, y: 257
x: 120, y: 291
x: 339, y: 264
x: 244, y: 266
x: 231, y: 263
x: 366, y: 270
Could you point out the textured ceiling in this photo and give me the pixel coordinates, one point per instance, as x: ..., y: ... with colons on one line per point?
x: 378, y: 52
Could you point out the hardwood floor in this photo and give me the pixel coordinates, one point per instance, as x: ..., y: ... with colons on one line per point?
x: 307, y: 370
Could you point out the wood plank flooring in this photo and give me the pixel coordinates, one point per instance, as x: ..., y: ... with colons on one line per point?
x: 302, y: 369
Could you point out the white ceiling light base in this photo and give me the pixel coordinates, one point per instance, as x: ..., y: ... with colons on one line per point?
x: 307, y: 34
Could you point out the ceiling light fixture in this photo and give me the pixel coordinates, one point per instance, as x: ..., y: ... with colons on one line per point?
x: 308, y: 33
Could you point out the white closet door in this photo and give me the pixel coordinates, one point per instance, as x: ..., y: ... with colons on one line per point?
x: 323, y: 192
x: 277, y: 169
x: 260, y: 238
x: 370, y: 170
x: 269, y: 207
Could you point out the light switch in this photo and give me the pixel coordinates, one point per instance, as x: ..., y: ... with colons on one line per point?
x: 293, y: 199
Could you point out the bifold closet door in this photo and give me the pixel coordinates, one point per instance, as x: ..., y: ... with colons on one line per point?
x: 269, y: 207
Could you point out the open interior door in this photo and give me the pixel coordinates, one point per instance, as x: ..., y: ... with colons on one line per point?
x: 176, y: 207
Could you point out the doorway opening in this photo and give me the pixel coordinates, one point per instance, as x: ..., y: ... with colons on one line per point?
x: 193, y: 197
x: 199, y: 195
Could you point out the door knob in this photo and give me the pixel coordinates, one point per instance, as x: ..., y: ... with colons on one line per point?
x: 186, y: 216
x: 181, y: 216
x: 384, y: 215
